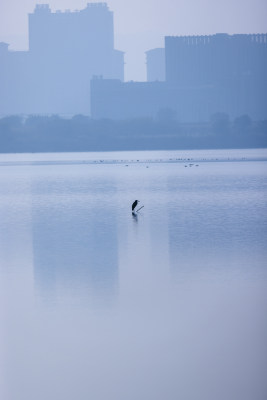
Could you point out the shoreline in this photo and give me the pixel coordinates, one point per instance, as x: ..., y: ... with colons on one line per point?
x: 127, y: 158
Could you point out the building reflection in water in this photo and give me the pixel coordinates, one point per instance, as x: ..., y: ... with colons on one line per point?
x: 216, y: 223
x: 75, y: 249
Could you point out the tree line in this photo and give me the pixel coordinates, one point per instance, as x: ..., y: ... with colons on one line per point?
x: 81, y: 133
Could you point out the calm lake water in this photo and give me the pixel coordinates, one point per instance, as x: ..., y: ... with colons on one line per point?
x: 98, y: 304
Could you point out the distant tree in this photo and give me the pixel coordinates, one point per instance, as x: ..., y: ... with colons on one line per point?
x: 242, y: 123
x: 36, y: 120
x: 220, y: 123
x: 10, y: 131
x: 80, y: 119
x: 261, y: 127
x: 166, y: 114
x: 11, y: 123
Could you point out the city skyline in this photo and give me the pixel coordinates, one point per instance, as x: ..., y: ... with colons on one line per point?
x: 203, y: 74
x: 137, y: 32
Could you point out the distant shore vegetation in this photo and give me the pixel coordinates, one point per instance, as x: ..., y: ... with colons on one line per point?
x: 54, y: 133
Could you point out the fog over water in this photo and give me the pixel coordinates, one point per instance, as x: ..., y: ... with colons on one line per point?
x: 99, y: 304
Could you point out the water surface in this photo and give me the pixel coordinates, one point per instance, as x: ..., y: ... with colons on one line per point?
x: 99, y: 304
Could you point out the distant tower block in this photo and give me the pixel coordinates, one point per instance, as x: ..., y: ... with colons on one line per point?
x: 67, y: 49
x: 213, y: 59
x: 155, y: 61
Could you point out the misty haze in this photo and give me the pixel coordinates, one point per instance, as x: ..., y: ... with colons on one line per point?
x: 67, y: 92
x: 133, y: 213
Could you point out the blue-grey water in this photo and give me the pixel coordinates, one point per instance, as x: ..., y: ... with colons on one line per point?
x: 98, y: 304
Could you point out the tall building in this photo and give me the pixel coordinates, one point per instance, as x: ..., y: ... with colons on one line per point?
x: 155, y: 65
x: 234, y: 67
x: 215, y: 59
x: 66, y: 49
x: 14, y: 77
x: 85, y: 39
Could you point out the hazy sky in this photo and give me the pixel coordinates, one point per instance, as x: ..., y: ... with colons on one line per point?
x: 142, y: 24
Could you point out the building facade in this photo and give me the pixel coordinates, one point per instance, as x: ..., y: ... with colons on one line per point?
x: 234, y: 67
x: 215, y: 59
x: 114, y: 99
x: 155, y: 65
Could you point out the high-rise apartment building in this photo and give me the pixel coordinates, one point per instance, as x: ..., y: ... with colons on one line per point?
x: 84, y: 38
x: 66, y: 49
x: 231, y: 68
x: 215, y: 59
x: 155, y: 65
